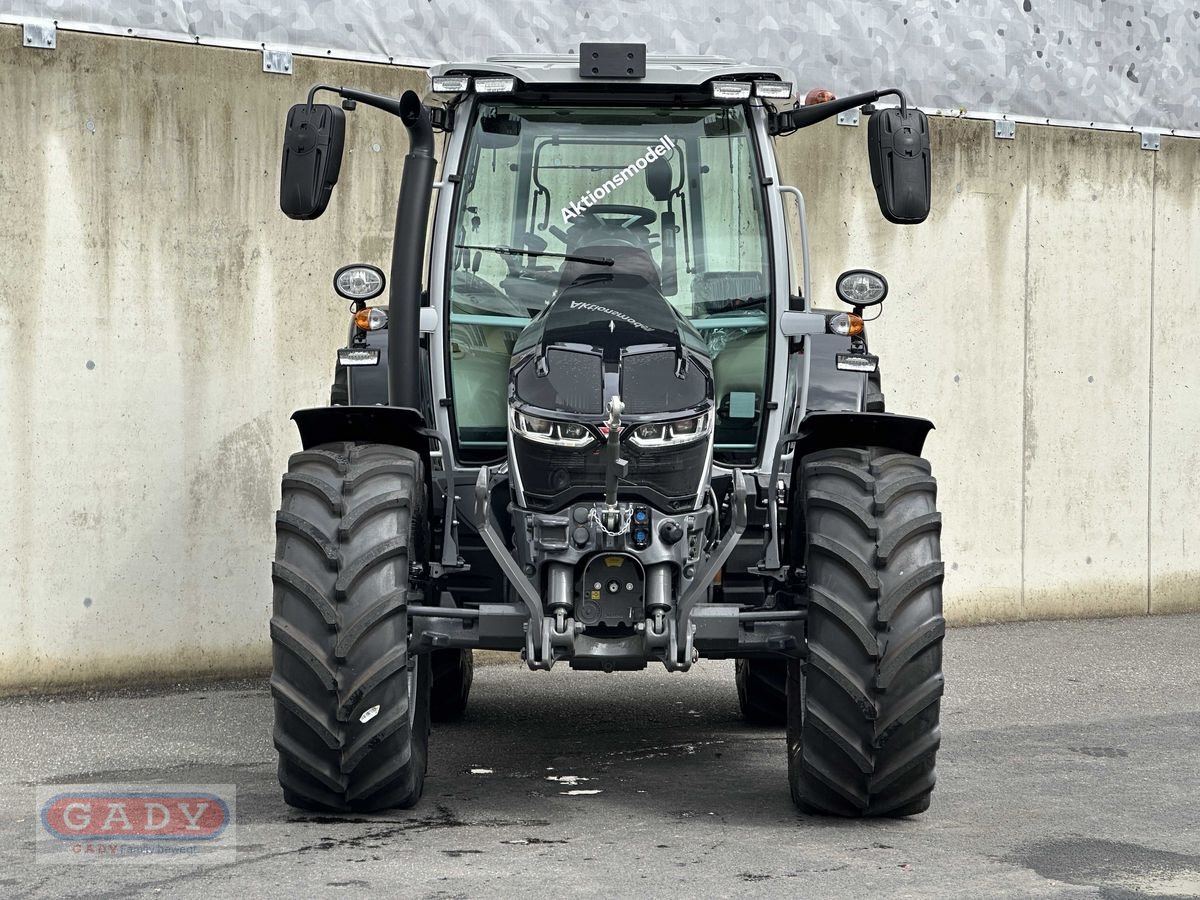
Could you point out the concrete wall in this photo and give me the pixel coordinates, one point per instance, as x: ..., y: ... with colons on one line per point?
x: 1046, y: 318
x: 160, y: 319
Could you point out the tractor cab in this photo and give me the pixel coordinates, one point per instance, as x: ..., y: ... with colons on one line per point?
x: 562, y: 182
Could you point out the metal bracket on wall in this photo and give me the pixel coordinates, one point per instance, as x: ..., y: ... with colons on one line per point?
x: 277, y: 62
x: 41, y: 35
x: 1006, y: 129
x: 849, y: 117
x: 1150, y: 140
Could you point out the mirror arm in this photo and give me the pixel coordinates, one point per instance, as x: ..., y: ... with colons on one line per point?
x: 387, y: 104
x: 802, y: 116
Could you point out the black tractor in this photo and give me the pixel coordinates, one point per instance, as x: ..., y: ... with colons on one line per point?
x: 607, y: 429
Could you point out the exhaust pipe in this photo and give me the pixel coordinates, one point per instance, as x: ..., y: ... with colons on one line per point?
x: 408, y: 256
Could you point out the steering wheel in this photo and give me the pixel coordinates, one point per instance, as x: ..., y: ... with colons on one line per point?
x: 611, y: 216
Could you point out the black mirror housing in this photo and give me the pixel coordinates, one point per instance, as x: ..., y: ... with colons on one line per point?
x: 312, y: 159
x: 898, y: 146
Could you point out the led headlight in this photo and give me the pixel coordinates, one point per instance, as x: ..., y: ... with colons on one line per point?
x: 671, y: 434
x: 545, y: 431
x: 730, y: 90
x: 773, y: 90
x: 450, y: 84
x: 495, y: 85
x: 358, y: 356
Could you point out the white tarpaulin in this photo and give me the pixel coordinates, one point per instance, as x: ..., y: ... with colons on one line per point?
x: 1104, y: 61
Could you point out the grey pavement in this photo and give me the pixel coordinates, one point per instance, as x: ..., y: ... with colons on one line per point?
x: 1069, y: 768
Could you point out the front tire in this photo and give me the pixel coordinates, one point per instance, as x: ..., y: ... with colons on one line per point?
x: 863, y: 709
x: 351, y: 706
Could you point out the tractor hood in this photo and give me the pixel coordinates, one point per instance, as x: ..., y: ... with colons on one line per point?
x: 610, y: 313
x: 606, y: 335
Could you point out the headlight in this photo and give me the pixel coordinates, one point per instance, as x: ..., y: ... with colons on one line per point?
x: 671, y: 434
x: 861, y: 287
x: 556, y: 434
x: 358, y: 282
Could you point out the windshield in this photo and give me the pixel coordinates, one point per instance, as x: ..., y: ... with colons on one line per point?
x: 553, y: 193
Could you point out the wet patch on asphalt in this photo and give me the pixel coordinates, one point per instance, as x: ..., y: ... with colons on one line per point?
x: 1120, y: 870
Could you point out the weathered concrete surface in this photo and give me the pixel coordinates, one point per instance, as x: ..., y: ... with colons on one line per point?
x: 952, y: 330
x: 1020, y: 322
x: 159, y: 320
x: 1087, y: 368
x: 1175, y: 385
x: 1075, y: 779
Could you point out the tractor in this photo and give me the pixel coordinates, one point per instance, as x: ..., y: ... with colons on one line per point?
x: 601, y: 422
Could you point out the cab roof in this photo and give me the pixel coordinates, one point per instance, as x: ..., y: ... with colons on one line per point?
x: 661, y: 71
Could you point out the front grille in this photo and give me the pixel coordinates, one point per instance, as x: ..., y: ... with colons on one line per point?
x: 649, y: 384
x: 572, y: 382
x: 553, y: 477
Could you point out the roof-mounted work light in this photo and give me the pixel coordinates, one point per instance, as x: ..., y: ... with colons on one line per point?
x: 495, y: 85
x: 731, y: 90
x: 450, y: 84
x: 773, y: 90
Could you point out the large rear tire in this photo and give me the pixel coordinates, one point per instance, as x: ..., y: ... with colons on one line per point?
x: 453, y: 672
x: 863, y: 711
x: 762, y: 690
x: 351, y: 706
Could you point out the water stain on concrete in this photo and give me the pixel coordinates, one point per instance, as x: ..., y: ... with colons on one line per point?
x: 1120, y: 870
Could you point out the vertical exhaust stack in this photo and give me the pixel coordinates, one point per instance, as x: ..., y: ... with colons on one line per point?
x: 408, y: 256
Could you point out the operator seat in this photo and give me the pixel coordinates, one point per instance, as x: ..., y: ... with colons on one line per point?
x: 627, y: 260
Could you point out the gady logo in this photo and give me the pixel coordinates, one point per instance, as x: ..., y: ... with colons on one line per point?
x: 135, y: 816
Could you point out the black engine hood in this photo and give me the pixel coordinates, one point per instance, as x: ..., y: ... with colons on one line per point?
x: 611, y: 312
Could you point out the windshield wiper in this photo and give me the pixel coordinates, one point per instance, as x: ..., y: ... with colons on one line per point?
x: 512, y: 251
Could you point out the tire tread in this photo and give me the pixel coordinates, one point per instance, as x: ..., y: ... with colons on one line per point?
x: 863, y: 708
x: 339, y: 632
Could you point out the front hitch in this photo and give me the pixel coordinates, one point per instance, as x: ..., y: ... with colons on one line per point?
x: 539, y: 653
x: 680, y: 657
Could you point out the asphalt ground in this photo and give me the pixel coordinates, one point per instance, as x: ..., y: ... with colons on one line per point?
x: 1069, y: 768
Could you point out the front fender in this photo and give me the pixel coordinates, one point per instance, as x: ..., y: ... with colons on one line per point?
x: 396, y: 425
x: 825, y: 431
x: 843, y: 428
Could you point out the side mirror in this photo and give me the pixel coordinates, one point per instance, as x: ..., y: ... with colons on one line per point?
x: 898, y: 145
x: 312, y: 158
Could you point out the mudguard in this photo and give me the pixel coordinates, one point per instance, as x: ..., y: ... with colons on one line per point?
x: 843, y: 428
x: 396, y: 425
x: 824, y: 431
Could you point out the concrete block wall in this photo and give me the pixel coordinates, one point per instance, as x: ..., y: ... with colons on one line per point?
x: 160, y: 320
